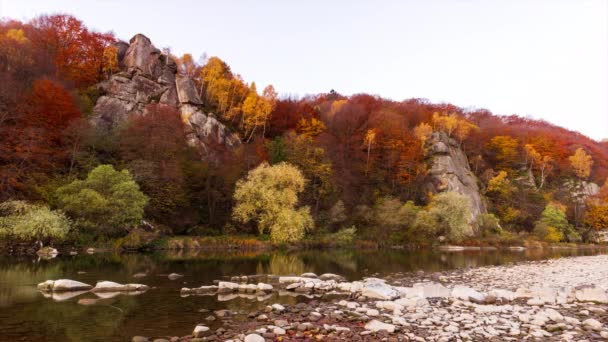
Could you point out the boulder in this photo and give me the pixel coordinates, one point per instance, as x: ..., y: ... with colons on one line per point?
x: 110, y: 286
x: 47, y: 252
x: 63, y: 285
x: 174, y: 276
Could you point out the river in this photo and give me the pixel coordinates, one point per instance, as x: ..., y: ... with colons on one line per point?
x: 27, y: 315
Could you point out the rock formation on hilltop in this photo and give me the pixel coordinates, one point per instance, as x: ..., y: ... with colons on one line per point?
x: 149, y: 76
x: 450, y: 171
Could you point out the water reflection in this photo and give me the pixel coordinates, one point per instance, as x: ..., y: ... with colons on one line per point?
x: 161, y: 311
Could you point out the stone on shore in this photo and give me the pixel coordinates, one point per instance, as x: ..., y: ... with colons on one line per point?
x: 375, y: 326
x: 254, y: 338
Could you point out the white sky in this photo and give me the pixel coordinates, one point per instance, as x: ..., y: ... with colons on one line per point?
x: 540, y: 58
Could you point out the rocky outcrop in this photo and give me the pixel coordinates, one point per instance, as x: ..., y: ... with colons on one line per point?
x: 149, y: 76
x: 450, y: 171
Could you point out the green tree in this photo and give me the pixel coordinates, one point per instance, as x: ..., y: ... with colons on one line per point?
x: 268, y: 197
x: 448, y: 214
x: 107, y: 201
x: 553, y: 225
x: 31, y: 222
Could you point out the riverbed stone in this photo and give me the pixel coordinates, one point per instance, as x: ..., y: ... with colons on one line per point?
x: 591, y: 293
x: 254, y: 338
x: 375, y: 326
x: 63, y: 285
x: 110, y: 286
x: 201, y: 331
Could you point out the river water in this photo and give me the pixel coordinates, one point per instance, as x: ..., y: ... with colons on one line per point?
x: 26, y: 315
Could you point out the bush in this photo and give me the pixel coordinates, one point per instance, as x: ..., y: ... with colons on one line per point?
x: 268, y: 196
x: 28, y: 222
x: 107, y: 201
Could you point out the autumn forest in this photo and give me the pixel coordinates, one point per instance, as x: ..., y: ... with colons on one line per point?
x: 236, y: 161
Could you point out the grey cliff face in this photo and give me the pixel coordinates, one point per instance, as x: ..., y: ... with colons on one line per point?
x: 450, y: 171
x: 149, y: 76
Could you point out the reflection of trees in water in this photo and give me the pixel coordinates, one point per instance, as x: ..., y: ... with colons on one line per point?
x: 17, y: 281
x: 282, y: 264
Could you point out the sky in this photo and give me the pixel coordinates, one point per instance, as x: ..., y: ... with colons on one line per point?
x: 546, y: 59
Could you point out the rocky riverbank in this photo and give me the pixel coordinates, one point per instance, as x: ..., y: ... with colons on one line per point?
x: 556, y: 300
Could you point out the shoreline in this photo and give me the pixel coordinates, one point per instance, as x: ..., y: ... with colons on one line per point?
x: 485, y: 303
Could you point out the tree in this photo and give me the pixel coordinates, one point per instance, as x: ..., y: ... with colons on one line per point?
x: 581, y: 163
x: 268, y: 197
x: 553, y: 225
x: 110, y: 60
x: 504, y: 151
x: 541, y: 163
x: 423, y: 131
x: 449, y: 214
x: 107, y: 201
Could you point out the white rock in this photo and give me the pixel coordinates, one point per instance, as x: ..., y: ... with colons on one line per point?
x: 593, y: 324
x: 264, y: 287
x: 63, y: 285
x: 254, y: 338
x: 379, y: 290
x: 330, y: 276
x: 200, y: 331
x: 110, y: 286
x: 376, y: 326
x: 372, y: 312
x: 591, y: 294
x: 278, y: 331
x: 278, y: 307
x: 227, y: 287
x: 467, y: 293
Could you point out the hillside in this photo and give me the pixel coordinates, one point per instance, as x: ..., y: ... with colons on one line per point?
x: 72, y: 99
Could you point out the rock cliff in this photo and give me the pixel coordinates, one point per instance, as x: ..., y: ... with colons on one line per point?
x: 149, y: 76
x: 450, y: 171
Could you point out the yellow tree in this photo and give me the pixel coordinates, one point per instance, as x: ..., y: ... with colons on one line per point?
x: 267, y: 105
x: 538, y: 161
x: 110, y: 60
x: 369, y: 140
x: 311, y: 128
x: 581, y: 163
x: 423, y: 131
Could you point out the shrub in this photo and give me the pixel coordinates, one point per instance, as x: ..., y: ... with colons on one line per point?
x: 268, y: 196
x: 28, y: 222
x: 107, y: 201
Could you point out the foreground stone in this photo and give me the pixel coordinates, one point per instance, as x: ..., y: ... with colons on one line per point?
x: 63, y: 285
x: 110, y: 286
